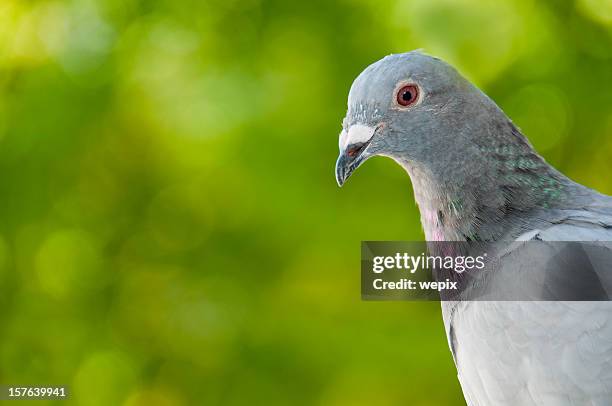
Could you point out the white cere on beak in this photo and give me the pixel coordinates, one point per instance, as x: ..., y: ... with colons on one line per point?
x: 356, y: 133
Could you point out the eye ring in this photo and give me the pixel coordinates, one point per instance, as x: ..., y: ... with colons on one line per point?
x: 407, y: 95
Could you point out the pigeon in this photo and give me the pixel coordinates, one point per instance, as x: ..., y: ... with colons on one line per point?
x: 476, y: 177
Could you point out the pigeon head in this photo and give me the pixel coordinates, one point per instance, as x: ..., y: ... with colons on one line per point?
x: 410, y: 107
x: 468, y: 163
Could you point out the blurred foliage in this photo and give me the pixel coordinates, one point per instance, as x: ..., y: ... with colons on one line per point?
x: 171, y: 231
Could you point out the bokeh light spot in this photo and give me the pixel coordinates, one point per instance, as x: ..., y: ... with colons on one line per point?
x: 104, y: 378
x: 67, y: 262
x: 597, y: 10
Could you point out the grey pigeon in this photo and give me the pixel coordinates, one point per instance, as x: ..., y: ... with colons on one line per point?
x: 477, y: 178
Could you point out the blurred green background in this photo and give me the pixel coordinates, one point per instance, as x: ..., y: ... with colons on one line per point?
x: 171, y: 232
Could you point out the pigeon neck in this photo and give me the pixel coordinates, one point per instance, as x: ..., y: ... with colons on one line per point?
x: 475, y: 197
x: 443, y: 215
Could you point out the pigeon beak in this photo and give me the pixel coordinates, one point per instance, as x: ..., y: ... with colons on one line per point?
x: 353, y: 145
x: 349, y: 160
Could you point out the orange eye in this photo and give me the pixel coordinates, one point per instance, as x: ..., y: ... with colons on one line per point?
x: 407, y: 95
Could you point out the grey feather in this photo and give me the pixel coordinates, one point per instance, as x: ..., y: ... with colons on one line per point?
x: 533, y: 352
